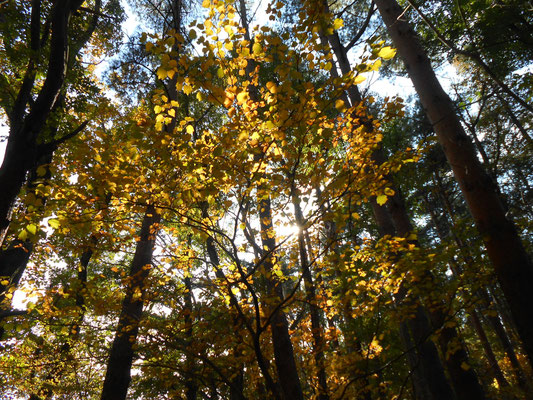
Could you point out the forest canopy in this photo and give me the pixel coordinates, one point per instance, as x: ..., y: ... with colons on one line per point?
x: 219, y: 203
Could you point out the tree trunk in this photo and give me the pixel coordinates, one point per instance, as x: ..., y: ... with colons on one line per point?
x: 505, y: 250
x: 23, y: 151
x: 310, y: 294
x: 117, y: 378
x: 428, y: 373
x: 191, y: 386
x: 463, y: 377
x: 281, y: 340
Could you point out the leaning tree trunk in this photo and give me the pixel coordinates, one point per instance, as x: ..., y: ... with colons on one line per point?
x: 505, y: 250
x: 117, y: 378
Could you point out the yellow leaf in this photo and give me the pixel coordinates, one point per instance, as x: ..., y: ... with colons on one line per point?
x: 190, y: 129
x: 339, y: 105
x: 358, y: 79
x: 161, y: 73
x: 381, y: 199
x: 220, y: 72
x: 187, y: 89
x: 241, y: 97
x: 387, y: 53
x: 32, y: 228
x: 206, y: 4
x: 375, y: 66
x: 338, y: 23
x: 5, y: 282
x: 172, y: 112
x: 54, y: 223
x: 23, y: 235
x: 257, y: 49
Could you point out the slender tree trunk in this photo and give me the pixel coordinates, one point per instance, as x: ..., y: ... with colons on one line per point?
x: 473, y: 317
x: 283, y: 351
x: 281, y: 340
x: 310, y: 290
x: 487, y: 348
x: 191, y: 386
x: 117, y: 378
x: 505, y: 250
x: 237, y: 383
x: 463, y: 377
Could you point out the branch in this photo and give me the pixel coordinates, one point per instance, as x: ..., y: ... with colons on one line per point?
x: 47, y: 147
x: 362, y: 29
x: 12, y: 313
x: 99, y: 14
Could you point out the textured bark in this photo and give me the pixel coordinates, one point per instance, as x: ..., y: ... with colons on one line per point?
x: 511, y: 262
x: 117, y: 378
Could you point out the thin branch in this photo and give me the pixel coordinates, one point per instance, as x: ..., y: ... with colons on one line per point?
x: 362, y: 29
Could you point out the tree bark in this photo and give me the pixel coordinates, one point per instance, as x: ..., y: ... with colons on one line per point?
x: 117, y: 378
x: 511, y: 262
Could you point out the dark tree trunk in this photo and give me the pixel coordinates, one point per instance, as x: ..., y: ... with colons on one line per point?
x: 117, y: 378
x: 463, y: 377
x: 310, y: 290
x: 281, y: 340
x: 191, y: 386
x: 505, y: 250
x: 23, y: 151
x: 14, y: 259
